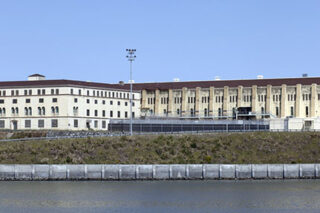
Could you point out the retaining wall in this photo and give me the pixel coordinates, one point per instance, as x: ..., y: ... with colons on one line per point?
x: 159, y: 172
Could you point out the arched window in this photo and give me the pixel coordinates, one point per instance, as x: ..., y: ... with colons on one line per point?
x: 17, y: 110
x: 39, y: 111
x: 4, y: 111
x: 12, y: 110
x: 219, y: 112
x: 26, y: 111
x: 0, y: 111
x: 205, y: 112
x: 57, y: 110
x: 43, y: 111
x: 52, y: 110
x: 178, y: 111
x: 30, y: 111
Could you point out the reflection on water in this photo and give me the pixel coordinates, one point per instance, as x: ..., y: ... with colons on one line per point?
x: 161, y: 196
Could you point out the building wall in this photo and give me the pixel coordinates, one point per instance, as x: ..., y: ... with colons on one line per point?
x: 266, y: 101
x: 26, y: 106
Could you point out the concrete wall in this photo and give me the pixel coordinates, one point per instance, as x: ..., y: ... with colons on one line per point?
x: 159, y: 172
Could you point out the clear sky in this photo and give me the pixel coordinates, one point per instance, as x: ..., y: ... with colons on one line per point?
x: 190, y: 40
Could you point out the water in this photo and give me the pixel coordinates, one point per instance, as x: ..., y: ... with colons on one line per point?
x: 161, y: 196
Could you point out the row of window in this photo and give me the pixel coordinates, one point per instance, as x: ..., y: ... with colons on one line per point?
x: 28, y: 100
x: 28, y: 111
x: 27, y: 123
x: 96, y: 113
x: 104, y: 102
x: 56, y: 92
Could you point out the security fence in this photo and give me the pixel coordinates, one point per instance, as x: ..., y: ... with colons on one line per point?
x: 187, y: 126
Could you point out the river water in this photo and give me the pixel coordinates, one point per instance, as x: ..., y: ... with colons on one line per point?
x: 161, y: 196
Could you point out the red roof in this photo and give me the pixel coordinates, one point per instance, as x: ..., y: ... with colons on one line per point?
x: 60, y: 83
x: 222, y: 83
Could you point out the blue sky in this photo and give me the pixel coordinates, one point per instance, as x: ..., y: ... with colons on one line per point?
x: 190, y: 40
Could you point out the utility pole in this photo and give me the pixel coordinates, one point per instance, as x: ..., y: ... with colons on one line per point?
x: 131, y: 56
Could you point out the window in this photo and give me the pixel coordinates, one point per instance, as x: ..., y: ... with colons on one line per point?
x: 57, y: 91
x: 71, y: 91
x: 132, y: 114
x: 119, y: 114
x: 103, y: 113
x: 28, y: 101
x: 40, y: 100
x: 43, y: 92
x: 57, y: 110
x: 96, y: 113
x: 52, y: 91
x: 54, y: 123
x: 54, y: 100
x: 95, y: 101
x: 41, y: 123
x: 307, y: 111
x: 111, y: 114
x: 30, y: 92
x: 76, y: 100
x: 79, y: 92
x: 103, y: 102
x: 125, y: 114
x: 277, y: 111
x: 104, y: 124
x: 95, y: 124
x: 118, y: 103
x: 88, y: 101
x: 25, y: 92
x: 2, y: 124
x: 75, y: 123
x: 291, y: 111
x: 14, y: 101
x: 39, y: 111
x: 1, y: 101
x: 39, y: 92
x: 133, y: 103
x: 111, y: 102
x: 88, y: 112
x: 178, y: 111
x: 126, y: 103
x: 43, y: 111
x: 27, y: 123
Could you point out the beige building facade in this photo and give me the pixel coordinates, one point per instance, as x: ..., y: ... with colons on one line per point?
x: 233, y: 99
x: 63, y: 104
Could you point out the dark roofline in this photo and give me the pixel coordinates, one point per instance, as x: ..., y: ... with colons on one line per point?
x: 229, y: 83
x: 60, y: 83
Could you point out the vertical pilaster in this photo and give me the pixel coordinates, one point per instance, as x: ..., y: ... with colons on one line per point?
x: 313, y: 100
x: 157, y: 103
x: 184, y: 101
x: 298, y: 101
x: 240, y: 92
x: 225, y: 100
x: 269, y: 99
x: 283, y: 103
x: 170, y: 102
x: 211, y: 100
x: 197, y: 106
x: 254, y: 99
x: 144, y: 99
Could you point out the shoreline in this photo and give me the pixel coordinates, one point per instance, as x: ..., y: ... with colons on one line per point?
x: 132, y: 172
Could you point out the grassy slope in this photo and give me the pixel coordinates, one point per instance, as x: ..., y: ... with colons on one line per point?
x: 260, y: 147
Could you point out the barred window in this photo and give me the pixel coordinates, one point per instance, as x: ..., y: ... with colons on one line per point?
x: 54, y: 123
x: 41, y: 123
x: 27, y: 123
x: 2, y: 124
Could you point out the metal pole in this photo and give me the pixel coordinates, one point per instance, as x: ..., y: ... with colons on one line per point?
x: 131, y: 56
x: 130, y: 97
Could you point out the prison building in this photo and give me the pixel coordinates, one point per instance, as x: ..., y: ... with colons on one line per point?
x: 232, y: 99
x: 63, y: 104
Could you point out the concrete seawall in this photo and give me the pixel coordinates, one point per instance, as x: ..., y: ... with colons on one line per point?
x: 159, y: 172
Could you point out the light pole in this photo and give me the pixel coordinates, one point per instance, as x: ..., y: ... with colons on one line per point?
x: 131, y: 56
